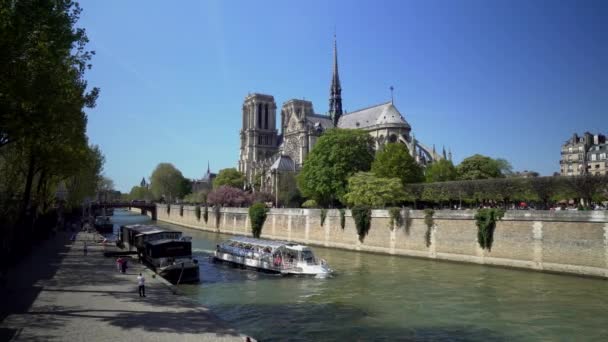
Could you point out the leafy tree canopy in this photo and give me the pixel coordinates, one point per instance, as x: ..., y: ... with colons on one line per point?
x: 337, y: 155
x: 105, y: 184
x: 364, y: 188
x: 394, y: 160
x: 168, y: 182
x: 479, y: 167
x: 228, y: 196
x: 140, y: 193
x: 197, y: 197
x: 230, y: 177
x: 441, y: 171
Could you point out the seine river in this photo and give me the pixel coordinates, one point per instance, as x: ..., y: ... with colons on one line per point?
x: 388, y: 298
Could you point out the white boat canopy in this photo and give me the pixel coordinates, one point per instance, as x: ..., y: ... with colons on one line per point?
x: 262, y: 243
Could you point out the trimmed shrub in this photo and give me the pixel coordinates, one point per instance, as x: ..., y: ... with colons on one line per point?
x: 362, y: 214
x: 168, y: 209
x: 323, y: 216
x: 206, y: 213
x: 181, y: 210
x: 429, y: 221
x: 257, y: 215
x: 311, y: 203
x: 197, y: 212
x: 216, y: 213
x: 396, y: 220
x: 342, y: 218
x: 486, y: 223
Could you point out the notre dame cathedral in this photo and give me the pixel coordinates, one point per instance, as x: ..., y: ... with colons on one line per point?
x: 265, y: 153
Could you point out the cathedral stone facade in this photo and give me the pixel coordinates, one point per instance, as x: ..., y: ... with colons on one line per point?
x: 265, y: 153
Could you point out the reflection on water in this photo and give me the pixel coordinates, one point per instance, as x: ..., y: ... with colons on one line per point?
x: 377, y: 297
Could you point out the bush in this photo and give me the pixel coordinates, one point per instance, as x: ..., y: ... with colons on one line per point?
x: 197, y: 212
x: 429, y: 221
x: 168, y: 209
x: 181, y: 210
x: 342, y: 218
x: 206, y: 214
x: 311, y: 203
x: 323, y: 216
x: 362, y: 214
x: 486, y: 223
x: 396, y: 218
x: 257, y: 215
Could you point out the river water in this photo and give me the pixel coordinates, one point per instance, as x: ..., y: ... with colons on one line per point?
x: 390, y: 298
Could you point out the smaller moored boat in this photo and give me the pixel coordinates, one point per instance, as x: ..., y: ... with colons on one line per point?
x: 271, y: 256
x: 172, y: 260
x: 103, y: 225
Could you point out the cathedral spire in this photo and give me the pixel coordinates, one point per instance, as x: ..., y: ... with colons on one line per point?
x: 335, y: 92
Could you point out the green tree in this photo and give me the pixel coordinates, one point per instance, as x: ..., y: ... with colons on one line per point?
x: 479, y: 167
x: 197, y: 197
x: 168, y: 182
x: 43, y: 93
x: 139, y: 193
x: 394, y: 160
x: 364, y: 188
x: 105, y: 184
x: 505, y: 167
x: 441, y: 171
x: 337, y: 155
x: 230, y: 177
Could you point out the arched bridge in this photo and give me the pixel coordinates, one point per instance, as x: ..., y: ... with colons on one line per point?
x: 144, y: 206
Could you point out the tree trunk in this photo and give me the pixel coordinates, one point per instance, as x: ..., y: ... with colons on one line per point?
x: 29, y: 180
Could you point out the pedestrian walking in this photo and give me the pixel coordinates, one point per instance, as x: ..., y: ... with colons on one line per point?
x: 119, y: 264
x: 85, y: 250
x: 123, y: 265
x: 141, y: 285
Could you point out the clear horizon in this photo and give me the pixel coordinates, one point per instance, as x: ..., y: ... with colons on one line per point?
x: 507, y: 79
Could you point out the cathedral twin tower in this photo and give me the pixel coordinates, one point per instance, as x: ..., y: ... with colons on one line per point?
x: 264, y: 152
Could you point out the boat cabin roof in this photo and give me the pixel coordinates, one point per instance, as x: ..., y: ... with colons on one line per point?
x: 166, y: 241
x: 157, y: 231
x: 266, y: 243
x: 144, y: 229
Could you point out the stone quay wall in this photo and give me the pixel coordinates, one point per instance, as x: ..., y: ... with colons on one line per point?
x: 563, y: 241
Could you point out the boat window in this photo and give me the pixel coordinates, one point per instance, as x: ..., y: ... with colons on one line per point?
x: 308, y: 257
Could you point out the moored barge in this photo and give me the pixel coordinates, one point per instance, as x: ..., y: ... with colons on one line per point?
x: 166, y: 251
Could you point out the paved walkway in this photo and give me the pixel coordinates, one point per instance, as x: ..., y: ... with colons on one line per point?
x: 61, y: 295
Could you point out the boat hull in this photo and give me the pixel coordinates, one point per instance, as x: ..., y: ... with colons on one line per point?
x: 173, y: 273
x: 106, y: 228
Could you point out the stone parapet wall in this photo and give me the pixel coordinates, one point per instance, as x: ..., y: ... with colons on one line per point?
x: 563, y: 241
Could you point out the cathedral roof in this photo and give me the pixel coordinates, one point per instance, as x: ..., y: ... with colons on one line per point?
x: 283, y: 163
x: 382, y: 114
x: 324, y: 120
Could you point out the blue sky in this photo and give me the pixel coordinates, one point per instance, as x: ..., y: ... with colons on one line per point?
x: 511, y: 79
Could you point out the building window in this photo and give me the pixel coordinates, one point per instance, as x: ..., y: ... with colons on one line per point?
x: 570, y: 149
x: 603, y: 156
x: 259, y: 115
x: 594, y: 157
x: 266, y: 117
x: 580, y: 148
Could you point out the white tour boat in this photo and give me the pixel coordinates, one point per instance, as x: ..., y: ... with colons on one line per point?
x: 271, y: 256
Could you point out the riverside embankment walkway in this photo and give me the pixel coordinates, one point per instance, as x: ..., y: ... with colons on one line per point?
x: 58, y: 294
